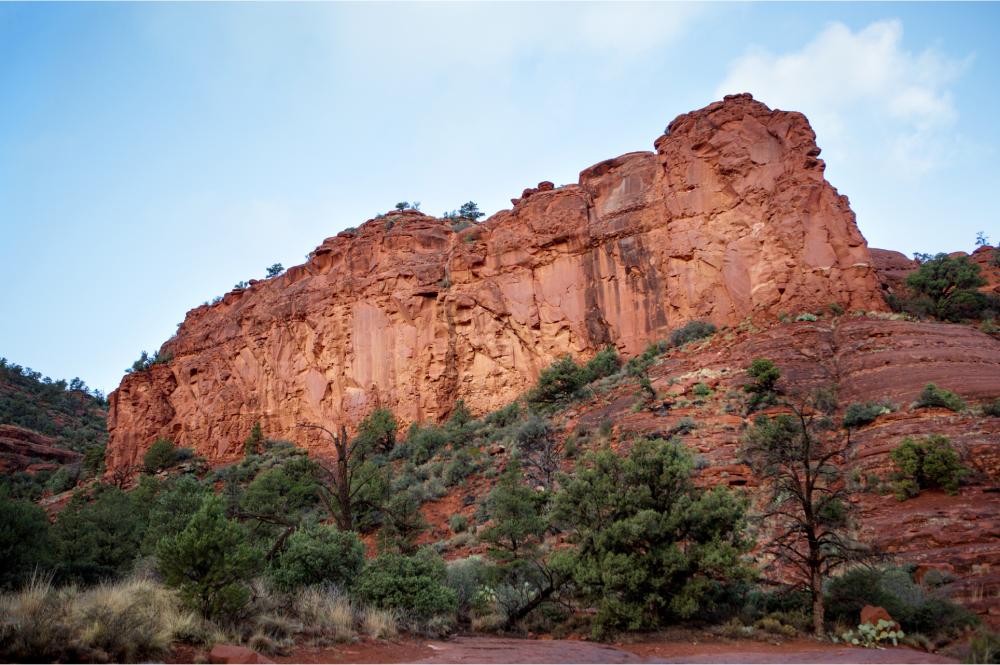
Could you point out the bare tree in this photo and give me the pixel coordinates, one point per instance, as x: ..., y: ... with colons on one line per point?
x: 346, y: 487
x: 801, y: 455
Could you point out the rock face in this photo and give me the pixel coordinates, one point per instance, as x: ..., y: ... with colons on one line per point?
x: 729, y: 219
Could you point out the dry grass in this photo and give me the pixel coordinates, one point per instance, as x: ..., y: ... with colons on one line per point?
x: 326, y: 611
x: 128, y: 621
x: 380, y: 624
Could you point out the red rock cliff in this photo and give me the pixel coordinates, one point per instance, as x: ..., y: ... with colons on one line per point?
x: 730, y: 218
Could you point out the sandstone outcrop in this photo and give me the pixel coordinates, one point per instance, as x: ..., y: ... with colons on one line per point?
x: 22, y: 449
x: 730, y: 219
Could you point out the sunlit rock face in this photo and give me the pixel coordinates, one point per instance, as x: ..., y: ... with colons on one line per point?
x: 729, y: 219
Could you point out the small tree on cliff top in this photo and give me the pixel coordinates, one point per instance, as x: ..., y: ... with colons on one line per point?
x: 800, y: 455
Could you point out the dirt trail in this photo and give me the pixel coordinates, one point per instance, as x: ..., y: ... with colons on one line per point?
x: 502, y: 650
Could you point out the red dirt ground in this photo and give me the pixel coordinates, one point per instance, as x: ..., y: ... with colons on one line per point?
x: 504, y: 650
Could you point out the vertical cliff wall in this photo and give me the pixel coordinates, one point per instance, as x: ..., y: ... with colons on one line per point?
x: 730, y: 218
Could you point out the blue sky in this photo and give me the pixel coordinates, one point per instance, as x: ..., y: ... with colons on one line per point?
x: 152, y: 155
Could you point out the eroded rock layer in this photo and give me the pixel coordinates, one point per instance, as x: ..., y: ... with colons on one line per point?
x: 729, y: 219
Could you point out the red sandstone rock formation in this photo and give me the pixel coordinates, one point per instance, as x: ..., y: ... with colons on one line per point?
x: 22, y: 449
x: 729, y: 219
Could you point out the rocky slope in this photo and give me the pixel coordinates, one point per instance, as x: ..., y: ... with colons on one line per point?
x: 730, y: 219
x: 866, y: 358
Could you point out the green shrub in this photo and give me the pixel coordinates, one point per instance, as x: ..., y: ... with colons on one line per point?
x: 172, y: 508
x: 701, y: 390
x: 422, y: 442
x: 26, y: 544
x: 992, y: 408
x: 161, y: 455
x: 565, y: 379
x: 807, y: 316
x: 650, y: 546
x: 458, y: 523
x: 93, y: 460
x: 915, y: 608
x: 691, y: 331
x: 468, y: 578
x: 413, y: 584
x: 98, y: 537
x: 934, y: 396
x: 604, y: 363
x: 253, y: 444
x: 949, y: 283
x: 762, y: 389
x: 62, y: 480
x: 378, y: 431
x: 210, y: 562
x: 859, y: 414
x: 319, y: 555
x: 927, y: 463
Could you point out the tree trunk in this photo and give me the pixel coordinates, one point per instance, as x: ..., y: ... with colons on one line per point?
x: 818, y: 609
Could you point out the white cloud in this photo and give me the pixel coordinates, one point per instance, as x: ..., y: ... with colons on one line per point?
x: 863, y: 82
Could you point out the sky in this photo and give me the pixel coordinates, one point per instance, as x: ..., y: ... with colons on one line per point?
x: 153, y: 155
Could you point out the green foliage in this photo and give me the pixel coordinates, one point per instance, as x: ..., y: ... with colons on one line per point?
x: 26, y: 544
x: 517, y: 518
x: 564, y: 379
x: 161, y: 455
x: 98, y: 538
x: 422, y: 442
x: 860, y: 414
x: 691, y: 331
x: 933, y: 396
x: 458, y: 523
x: 93, y: 460
x: 62, y: 480
x: 918, y: 610
x: 402, y: 523
x: 701, y: 390
x: 926, y: 463
x: 947, y: 282
x: 762, y: 389
x: 175, y: 504
x: 378, y: 430
x: 210, y: 562
x: 281, y: 495
x: 274, y: 270
x: 68, y: 411
x: 807, y: 316
x: 992, y: 408
x: 255, y: 440
x: 319, y: 555
x: 649, y: 545
x: 873, y: 637
x: 147, y: 360
x: 414, y: 584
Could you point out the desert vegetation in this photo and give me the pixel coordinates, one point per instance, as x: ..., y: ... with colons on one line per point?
x: 558, y: 532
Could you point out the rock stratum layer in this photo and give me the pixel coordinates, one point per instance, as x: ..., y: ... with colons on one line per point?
x: 729, y: 219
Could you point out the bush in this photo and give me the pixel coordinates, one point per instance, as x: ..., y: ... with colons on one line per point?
x: 414, y: 584
x: 650, y: 545
x: 927, y: 463
x: 319, y: 555
x: 378, y: 431
x: 98, y: 538
x: 468, y: 579
x: 26, y: 544
x: 984, y: 647
x: 807, y: 316
x: 564, y: 379
x: 949, y: 283
x: 691, y: 331
x: 992, y: 408
x: 458, y: 523
x: 916, y: 609
x: 161, y: 455
x: 210, y: 562
x: 934, y: 396
x: 62, y: 480
x: 859, y: 414
x: 125, y: 622
x: 174, y: 506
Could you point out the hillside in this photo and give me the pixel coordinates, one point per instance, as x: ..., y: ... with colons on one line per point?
x: 45, y: 425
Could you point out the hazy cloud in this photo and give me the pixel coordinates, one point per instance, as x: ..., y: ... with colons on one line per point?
x: 868, y: 77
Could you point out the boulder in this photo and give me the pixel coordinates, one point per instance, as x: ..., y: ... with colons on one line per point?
x: 873, y: 614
